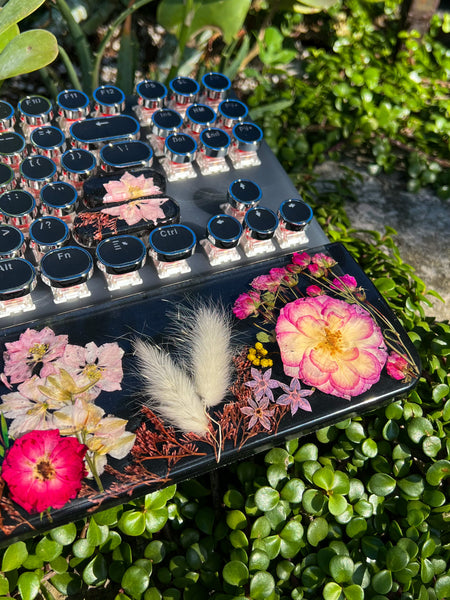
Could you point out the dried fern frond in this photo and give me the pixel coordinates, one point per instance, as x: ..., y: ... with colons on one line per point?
x: 169, y: 390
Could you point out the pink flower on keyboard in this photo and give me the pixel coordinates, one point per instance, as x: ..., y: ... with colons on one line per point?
x: 129, y: 187
x: 147, y: 209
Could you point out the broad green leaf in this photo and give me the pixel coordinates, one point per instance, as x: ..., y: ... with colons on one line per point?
x: 67, y: 584
x: 337, y: 504
x: 156, y: 519
x: 317, y: 531
x: 14, y: 556
x: 96, y: 571
x: 292, y: 531
x: 132, y: 522
x: 236, y: 519
x: 442, y: 587
x: 261, y: 528
x: 225, y: 15
x: 48, y: 549
x: 262, y: 584
x: 28, y: 584
x: 342, y: 568
x: 135, y: 581
x: 235, y: 573
x: 438, y: 471
x: 8, y: 35
x: 29, y: 51
x: 160, y: 498
x: 419, y: 427
x: 324, y: 478
x: 4, y: 585
x: 16, y: 10
x: 258, y: 561
x: 307, y: 452
x: 270, y: 545
x: 382, y: 582
x: 65, y: 534
x: 96, y: 534
x: 381, y: 484
x: 266, y: 498
x: 155, y: 551
x: 332, y: 591
x: 396, y: 558
x: 354, y: 592
x: 293, y: 490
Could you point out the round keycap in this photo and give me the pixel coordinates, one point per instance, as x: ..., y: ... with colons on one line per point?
x: 180, y: 148
x: 37, y: 170
x: 260, y: 223
x: 199, y: 116
x: 151, y: 94
x: 58, y: 198
x: 214, y: 142
x: 12, y: 147
x: 224, y: 231
x: 294, y: 214
x: 18, y: 207
x: 231, y: 111
x: 121, y: 254
x: 66, y: 267
x: 73, y: 104
x: 126, y: 154
x: 11, y: 241
x: 172, y: 242
x: 48, y: 140
x: 7, y: 118
x: 7, y: 178
x: 244, y: 194
x: 166, y: 121
x: 109, y: 99
x: 78, y: 164
x: 184, y: 89
x: 48, y: 233
x: 35, y: 110
x: 216, y: 85
x: 247, y: 136
x: 17, y: 278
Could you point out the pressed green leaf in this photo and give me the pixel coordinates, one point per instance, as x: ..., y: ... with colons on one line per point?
x: 14, y: 556
x: 28, y: 585
x: 235, y: 573
x: 135, y: 581
x: 27, y: 52
x: 262, y: 585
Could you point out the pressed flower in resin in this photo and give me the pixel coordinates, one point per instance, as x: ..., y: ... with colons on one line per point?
x: 129, y: 187
x: 147, y: 209
x: 258, y: 412
x: 332, y: 345
x: 294, y: 396
x: 44, y: 470
x: 262, y: 384
x: 397, y: 366
x: 33, y: 348
x: 246, y: 304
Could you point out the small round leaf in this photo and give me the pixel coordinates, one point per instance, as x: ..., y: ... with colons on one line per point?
x: 235, y: 573
x: 262, y: 585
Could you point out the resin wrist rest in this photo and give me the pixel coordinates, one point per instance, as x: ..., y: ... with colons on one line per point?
x: 160, y: 454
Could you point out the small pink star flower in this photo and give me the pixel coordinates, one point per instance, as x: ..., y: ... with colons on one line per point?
x: 262, y: 384
x: 294, y: 396
x: 258, y: 412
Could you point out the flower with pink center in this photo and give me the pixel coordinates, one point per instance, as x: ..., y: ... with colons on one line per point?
x: 345, y: 283
x: 262, y: 384
x: 33, y: 348
x: 331, y: 345
x: 44, y: 470
x: 247, y: 304
x: 265, y: 283
x: 130, y: 187
x: 301, y: 259
x: 316, y: 270
x: 99, y: 365
x: 147, y: 209
x: 258, y: 412
x: 294, y: 396
x: 397, y: 366
x: 314, y: 290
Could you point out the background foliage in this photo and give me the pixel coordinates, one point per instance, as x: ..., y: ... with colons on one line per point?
x: 359, y: 509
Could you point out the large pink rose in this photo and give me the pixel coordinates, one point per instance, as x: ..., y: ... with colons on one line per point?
x: 332, y: 345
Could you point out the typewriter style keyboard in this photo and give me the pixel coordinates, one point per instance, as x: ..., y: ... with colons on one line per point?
x: 105, y: 198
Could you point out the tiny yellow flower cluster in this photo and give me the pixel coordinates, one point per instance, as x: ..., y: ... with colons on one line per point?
x: 257, y: 356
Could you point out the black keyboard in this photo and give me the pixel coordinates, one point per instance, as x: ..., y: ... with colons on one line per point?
x: 112, y: 197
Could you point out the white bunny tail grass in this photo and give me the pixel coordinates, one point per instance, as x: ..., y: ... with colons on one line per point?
x: 206, y: 348
x: 169, y: 389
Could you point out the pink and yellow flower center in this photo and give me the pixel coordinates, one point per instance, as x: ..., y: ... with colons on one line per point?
x: 37, y: 351
x: 93, y: 372
x: 332, y: 342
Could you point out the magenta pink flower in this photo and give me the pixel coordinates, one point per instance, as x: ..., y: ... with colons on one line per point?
x: 44, y: 470
x: 301, y: 259
x: 258, y: 412
x: 247, y: 304
x: 294, y: 396
x: 130, y: 187
x: 314, y: 290
x: 345, y: 283
x: 316, y: 270
x: 33, y: 348
x: 99, y: 365
x: 262, y: 384
x: 331, y: 345
x: 265, y: 283
x: 147, y: 209
x: 397, y: 366
x: 323, y: 260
